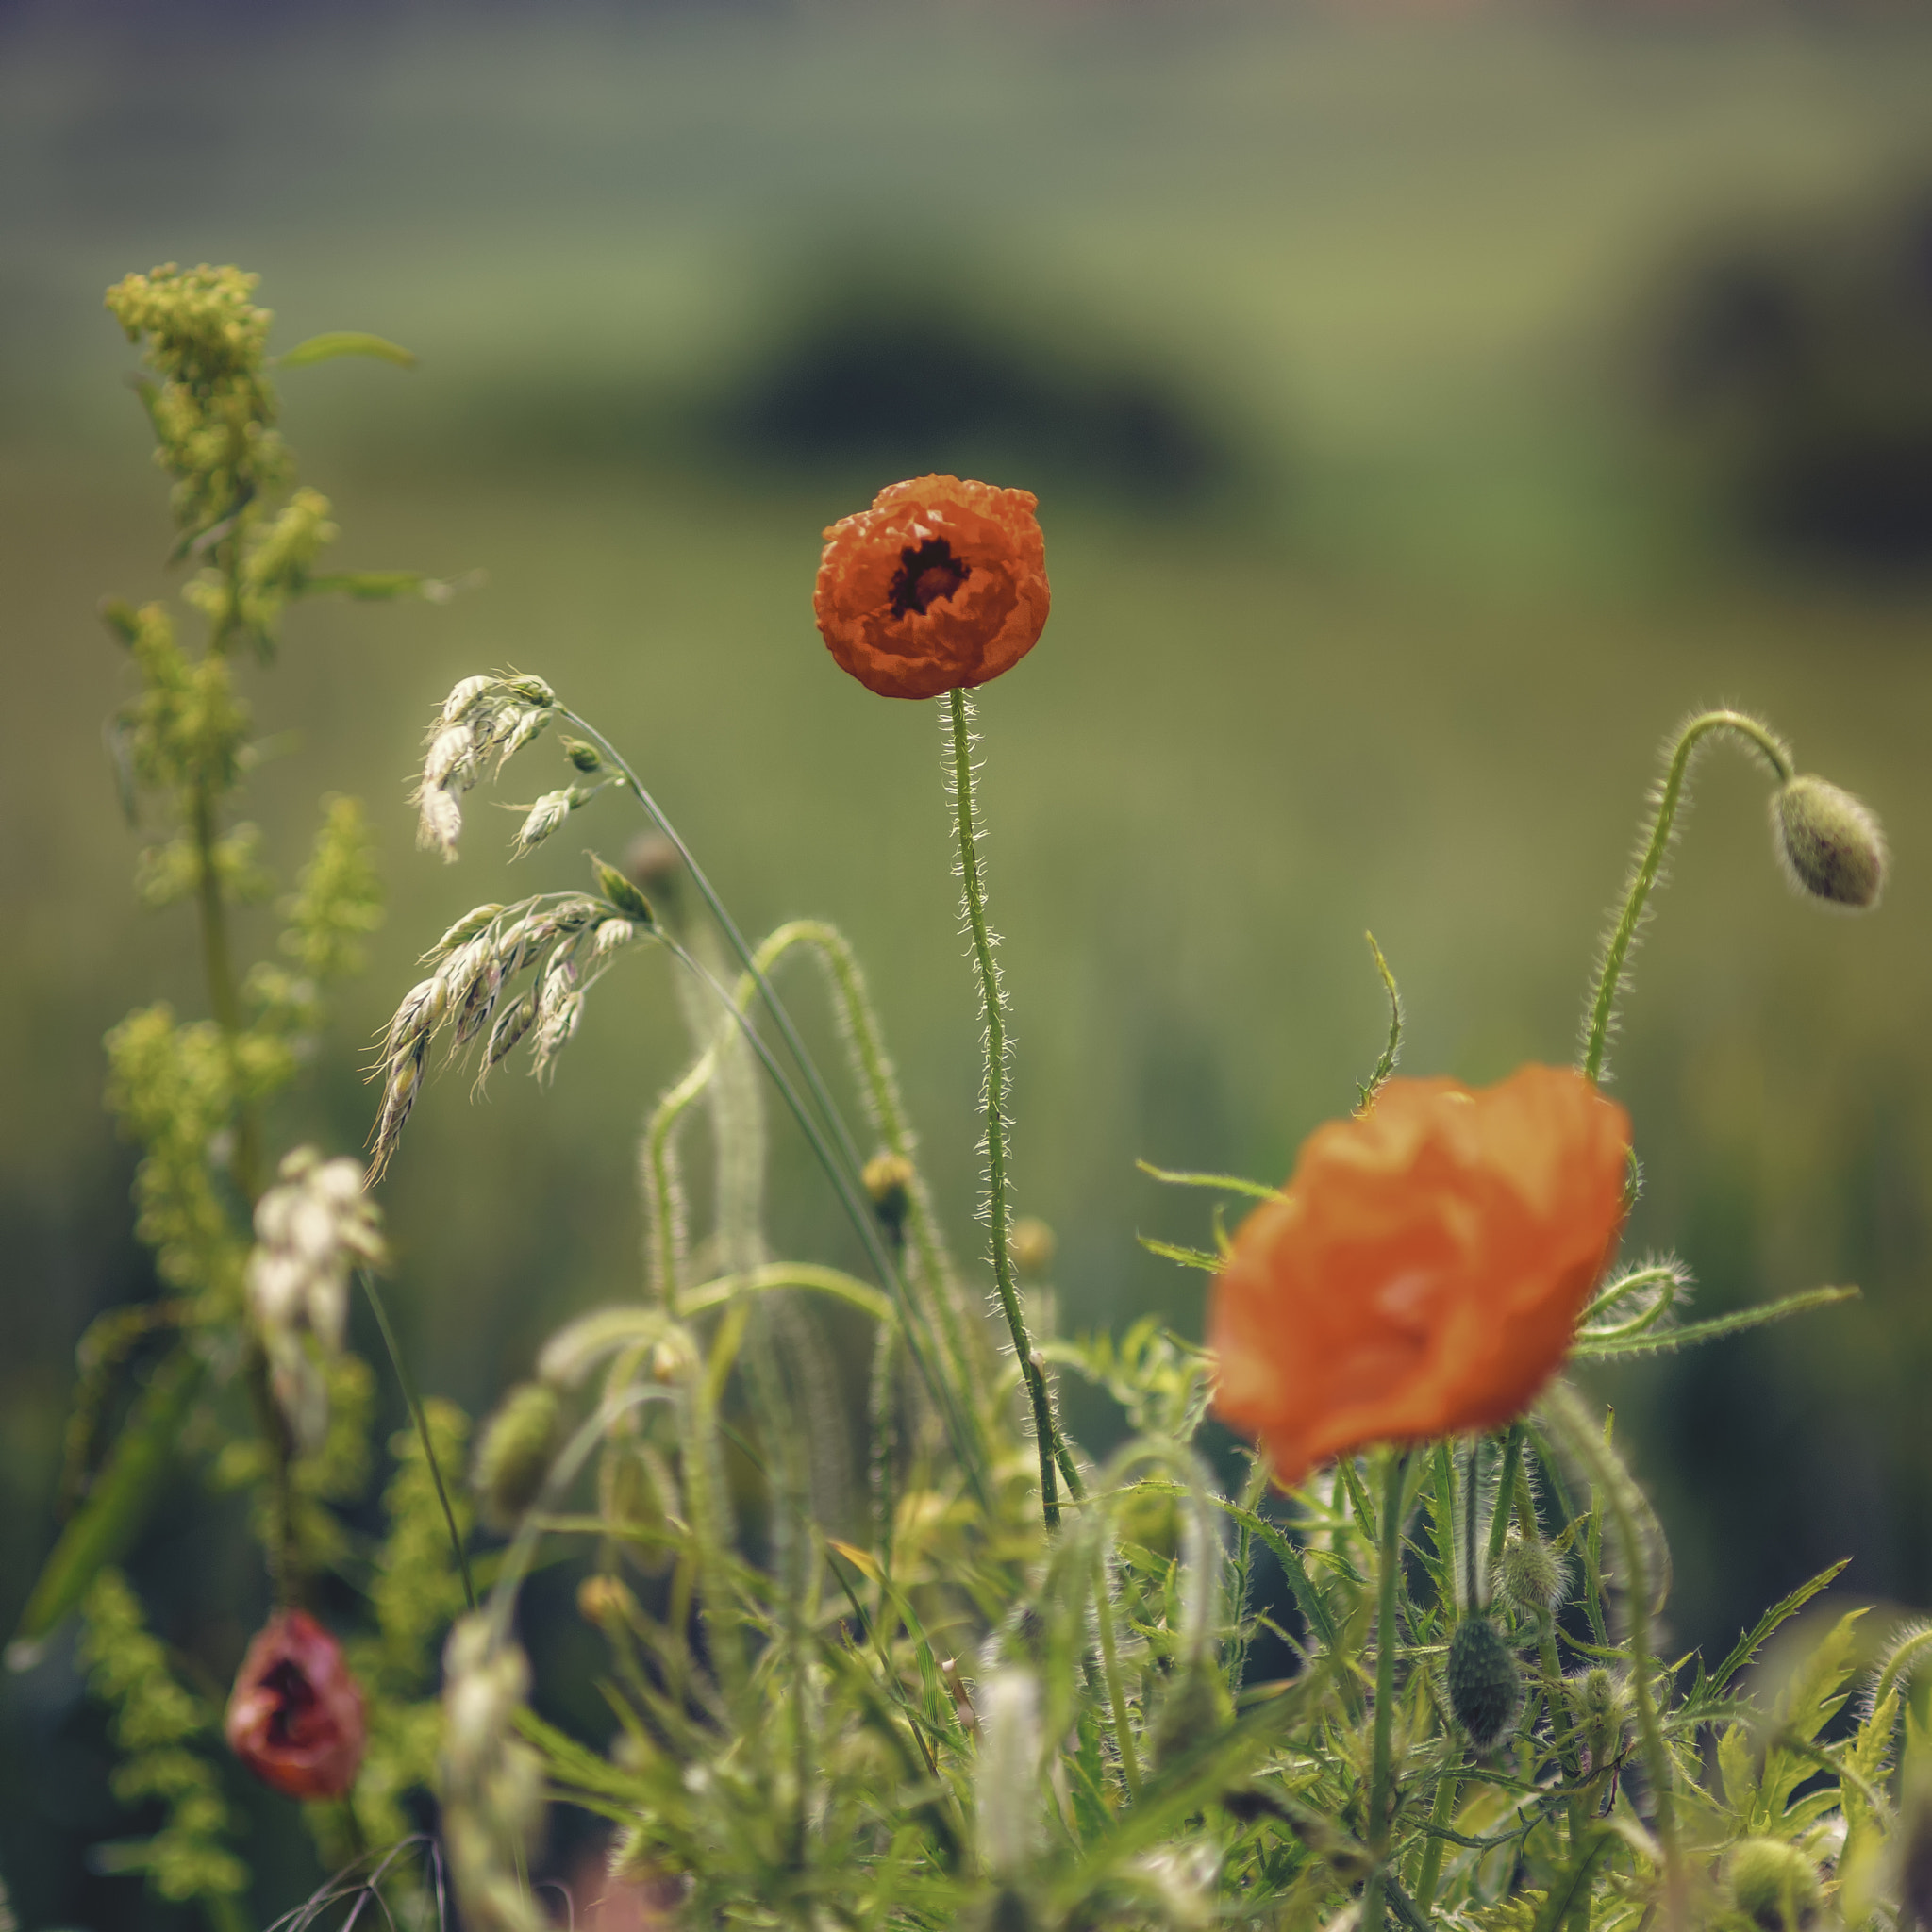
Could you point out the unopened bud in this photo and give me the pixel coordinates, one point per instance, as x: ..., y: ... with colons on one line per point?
x: 621, y: 892
x: 605, y: 1600
x: 1599, y: 1702
x: 1531, y: 1574
x: 586, y: 758
x: 652, y: 862
x: 889, y: 1179
x: 672, y: 1360
x: 1031, y: 1245
x: 1832, y: 845
x: 1773, y: 1885
x: 1485, y: 1686
x: 514, y: 1456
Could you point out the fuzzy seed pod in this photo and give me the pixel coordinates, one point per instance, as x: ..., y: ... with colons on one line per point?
x: 1531, y: 1574
x: 1832, y: 845
x: 1775, y: 1885
x: 518, y: 1445
x: 1485, y: 1686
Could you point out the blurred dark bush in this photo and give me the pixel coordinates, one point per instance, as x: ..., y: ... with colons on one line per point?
x: 1794, y: 370
x: 904, y: 381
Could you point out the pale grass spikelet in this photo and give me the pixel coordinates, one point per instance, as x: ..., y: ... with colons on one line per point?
x: 545, y: 817
x: 609, y: 935
x: 311, y: 1228
x: 482, y: 716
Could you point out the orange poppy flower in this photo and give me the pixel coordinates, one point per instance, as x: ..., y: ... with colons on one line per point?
x: 295, y: 1716
x: 1425, y: 1270
x: 941, y: 584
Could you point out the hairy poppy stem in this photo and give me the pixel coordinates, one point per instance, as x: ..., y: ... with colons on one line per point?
x: 1380, y: 1768
x: 1609, y: 980
x: 1054, y: 1457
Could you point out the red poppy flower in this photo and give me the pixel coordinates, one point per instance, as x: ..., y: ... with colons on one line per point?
x: 941, y: 584
x: 1424, y: 1272
x: 295, y: 1715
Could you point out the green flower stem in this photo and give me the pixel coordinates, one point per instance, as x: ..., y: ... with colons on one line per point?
x: 1116, y: 1694
x: 1612, y: 1483
x: 1380, y: 1771
x: 1054, y: 1460
x: 1610, y: 973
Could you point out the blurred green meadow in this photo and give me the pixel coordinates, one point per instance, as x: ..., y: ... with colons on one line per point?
x: 1379, y: 577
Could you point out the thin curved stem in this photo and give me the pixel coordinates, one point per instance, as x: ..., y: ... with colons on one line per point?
x: 1053, y: 1462
x: 1611, y: 973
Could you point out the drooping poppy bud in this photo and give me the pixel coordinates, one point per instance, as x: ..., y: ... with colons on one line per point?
x: 295, y: 1716
x: 1831, y: 842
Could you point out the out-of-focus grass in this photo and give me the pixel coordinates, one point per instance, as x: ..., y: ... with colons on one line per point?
x: 1412, y: 676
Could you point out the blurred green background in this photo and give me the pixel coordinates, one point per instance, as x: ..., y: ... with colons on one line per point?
x: 1426, y: 412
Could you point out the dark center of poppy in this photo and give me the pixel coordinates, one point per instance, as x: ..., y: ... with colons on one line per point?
x: 294, y: 1695
x: 927, y: 576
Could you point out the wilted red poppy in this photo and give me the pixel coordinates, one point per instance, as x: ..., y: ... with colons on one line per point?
x: 1425, y: 1271
x: 941, y: 584
x: 295, y: 1714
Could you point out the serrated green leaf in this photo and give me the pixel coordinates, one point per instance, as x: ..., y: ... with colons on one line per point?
x: 1747, y: 1647
x: 344, y: 341
x: 1664, y: 1340
x: 1230, y: 1183
x: 1188, y: 1258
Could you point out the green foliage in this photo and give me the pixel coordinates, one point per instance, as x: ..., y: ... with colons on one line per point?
x: 157, y: 1723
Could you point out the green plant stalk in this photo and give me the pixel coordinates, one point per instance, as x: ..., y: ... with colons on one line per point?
x: 1380, y: 1767
x: 1116, y: 1692
x: 1610, y: 973
x: 1045, y: 1428
x: 1441, y: 1812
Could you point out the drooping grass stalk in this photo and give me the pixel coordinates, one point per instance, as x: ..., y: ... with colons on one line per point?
x: 917, y: 1340
x: 1609, y: 980
x: 872, y: 1071
x: 830, y: 1142
x: 406, y: 1381
x: 993, y: 1010
x: 1380, y: 1769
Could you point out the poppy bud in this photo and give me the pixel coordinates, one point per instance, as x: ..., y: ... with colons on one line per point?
x: 1601, y: 1706
x: 518, y: 1446
x: 295, y: 1715
x: 1197, y: 1710
x: 1485, y: 1686
x: 1531, y: 1574
x: 1775, y: 1885
x: 1831, y: 844
x: 887, y: 1179
x: 1032, y: 1245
